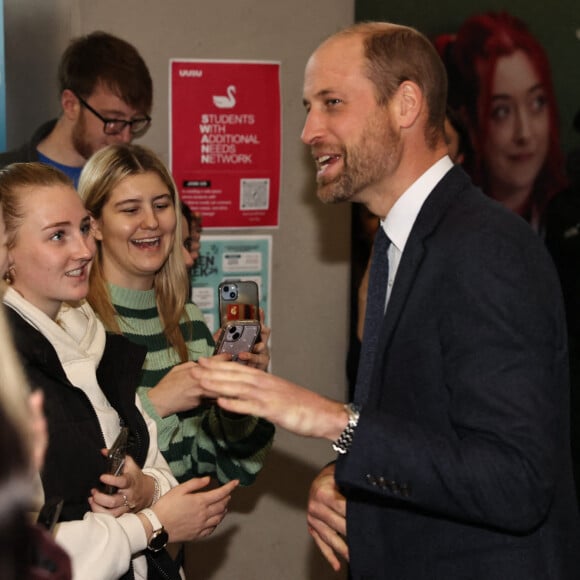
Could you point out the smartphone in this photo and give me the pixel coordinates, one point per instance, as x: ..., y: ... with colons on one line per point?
x: 49, y: 513
x: 238, y: 300
x: 116, y: 458
x: 238, y: 336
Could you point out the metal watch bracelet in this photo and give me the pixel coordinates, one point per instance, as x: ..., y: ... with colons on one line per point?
x: 343, y: 443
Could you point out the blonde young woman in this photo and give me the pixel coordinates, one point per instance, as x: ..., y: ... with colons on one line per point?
x: 27, y: 552
x: 88, y: 379
x: 139, y: 288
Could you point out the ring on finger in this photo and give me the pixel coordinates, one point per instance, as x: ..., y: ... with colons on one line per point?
x: 126, y: 503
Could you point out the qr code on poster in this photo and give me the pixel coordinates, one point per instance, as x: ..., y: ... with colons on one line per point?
x: 254, y: 194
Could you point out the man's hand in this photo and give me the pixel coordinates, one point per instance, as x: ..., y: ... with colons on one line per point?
x: 248, y: 391
x: 327, y: 517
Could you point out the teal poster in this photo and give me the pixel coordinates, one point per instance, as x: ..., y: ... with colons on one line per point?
x: 230, y: 258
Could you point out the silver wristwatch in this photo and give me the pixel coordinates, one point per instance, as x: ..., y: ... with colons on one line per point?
x: 343, y: 443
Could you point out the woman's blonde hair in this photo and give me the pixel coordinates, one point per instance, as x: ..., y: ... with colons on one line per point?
x: 21, y: 448
x: 17, y: 179
x: 102, y: 173
x: 17, y: 441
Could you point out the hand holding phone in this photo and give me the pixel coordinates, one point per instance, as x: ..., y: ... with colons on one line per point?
x: 116, y: 458
x: 236, y: 337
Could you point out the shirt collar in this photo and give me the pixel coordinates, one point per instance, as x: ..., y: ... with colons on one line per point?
x: 402, y: 216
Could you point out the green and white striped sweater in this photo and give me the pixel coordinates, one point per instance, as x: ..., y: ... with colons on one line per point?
x: 205, y: 440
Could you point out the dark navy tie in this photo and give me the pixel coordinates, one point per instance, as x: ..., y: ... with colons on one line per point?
x: 375, y: 312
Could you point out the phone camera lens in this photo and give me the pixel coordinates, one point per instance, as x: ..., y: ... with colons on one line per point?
x: 229, y: 292
x: 234, y: 333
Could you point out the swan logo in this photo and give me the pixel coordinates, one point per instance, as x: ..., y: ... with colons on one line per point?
x: 227, y: 101
x: 191, y: 73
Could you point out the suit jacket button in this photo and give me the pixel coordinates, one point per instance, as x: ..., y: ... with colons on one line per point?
x: 382, y: 483
x: 394, y: 486
x: 371, y: 479
x: 405, y: 489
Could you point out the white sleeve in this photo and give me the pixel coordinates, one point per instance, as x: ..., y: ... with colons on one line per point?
x: 101, y: 546
x: 112, y: 541
x: 155, y: 464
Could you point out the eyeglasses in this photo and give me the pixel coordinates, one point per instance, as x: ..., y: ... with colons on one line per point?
x: 137, y: 127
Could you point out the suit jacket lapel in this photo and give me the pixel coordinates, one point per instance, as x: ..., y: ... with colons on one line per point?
x: 429, y: 216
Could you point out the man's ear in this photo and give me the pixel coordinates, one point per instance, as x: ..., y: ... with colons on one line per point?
x: 70, y: 104
x: 410, y: 103
x: 96, y: 229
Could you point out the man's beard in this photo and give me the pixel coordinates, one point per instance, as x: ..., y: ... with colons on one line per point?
x: 81, y: 145
x: 364, y: 164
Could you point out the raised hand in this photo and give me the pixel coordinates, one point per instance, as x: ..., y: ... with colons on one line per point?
x: 245, y: 390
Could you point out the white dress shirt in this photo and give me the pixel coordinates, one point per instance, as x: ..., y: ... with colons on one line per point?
x: 402, y: 216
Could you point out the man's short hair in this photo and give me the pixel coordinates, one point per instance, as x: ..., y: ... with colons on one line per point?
x: 101, y: 58
x: 395, y: 54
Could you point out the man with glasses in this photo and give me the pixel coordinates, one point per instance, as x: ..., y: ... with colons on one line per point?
x: 106, y: 97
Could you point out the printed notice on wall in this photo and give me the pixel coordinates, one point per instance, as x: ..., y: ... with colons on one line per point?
x: 230, y: 258
x: 225, y: 124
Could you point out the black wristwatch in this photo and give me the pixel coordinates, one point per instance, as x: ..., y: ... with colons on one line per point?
x: 159, y: 537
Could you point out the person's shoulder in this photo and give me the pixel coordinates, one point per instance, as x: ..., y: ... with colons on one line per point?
x: 468, y: 223
x: 119, y: 342
x: 457, y: 207
x: 28, y: 151
x: 21, y: 329
x: 19, y: 155
x: 454, y: 190
x: 478, y: 211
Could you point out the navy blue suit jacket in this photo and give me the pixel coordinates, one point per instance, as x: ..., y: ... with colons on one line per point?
x: 460, y: 465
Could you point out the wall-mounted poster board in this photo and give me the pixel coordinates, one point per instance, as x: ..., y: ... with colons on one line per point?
x: 225, y: 140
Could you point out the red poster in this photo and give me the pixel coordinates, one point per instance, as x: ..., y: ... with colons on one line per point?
x: 225, y: 140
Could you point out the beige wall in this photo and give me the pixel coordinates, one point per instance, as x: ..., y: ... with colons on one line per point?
x: 265, y: 534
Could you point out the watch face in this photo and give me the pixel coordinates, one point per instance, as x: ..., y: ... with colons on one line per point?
x: 159, y: 540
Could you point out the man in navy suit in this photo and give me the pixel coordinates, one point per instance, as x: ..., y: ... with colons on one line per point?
x: 455, y: 461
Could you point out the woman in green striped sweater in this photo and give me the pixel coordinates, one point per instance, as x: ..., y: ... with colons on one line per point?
x: 139, y: 288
